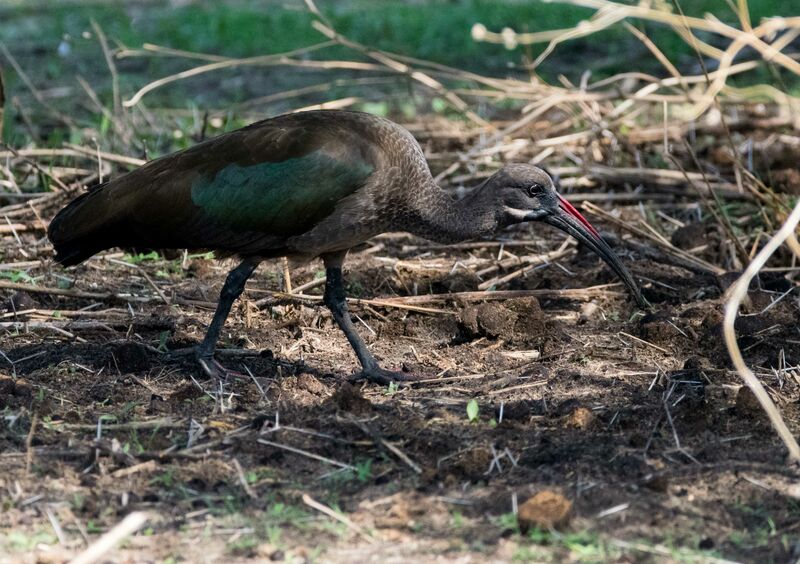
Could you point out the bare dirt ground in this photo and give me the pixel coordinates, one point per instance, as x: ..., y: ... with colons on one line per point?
x: 635, y: 418
x: 541, y: 378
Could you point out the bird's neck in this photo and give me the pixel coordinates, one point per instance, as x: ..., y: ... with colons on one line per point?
x: 437, y: 216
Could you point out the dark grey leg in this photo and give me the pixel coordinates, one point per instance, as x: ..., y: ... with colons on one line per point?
x: 232, y: 289
x: 335, y: 300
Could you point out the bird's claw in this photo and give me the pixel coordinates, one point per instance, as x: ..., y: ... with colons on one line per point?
x: 383, y: 377
x: 217, y: 371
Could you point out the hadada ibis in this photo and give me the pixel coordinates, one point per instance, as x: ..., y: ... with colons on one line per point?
x: 305, y: 185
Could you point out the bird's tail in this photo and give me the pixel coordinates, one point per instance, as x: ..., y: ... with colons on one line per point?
x: 83, y: 228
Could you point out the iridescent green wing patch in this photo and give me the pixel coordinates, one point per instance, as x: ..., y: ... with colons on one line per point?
x: 284, y: 198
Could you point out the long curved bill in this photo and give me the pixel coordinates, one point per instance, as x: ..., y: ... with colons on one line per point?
x: 568, y: 219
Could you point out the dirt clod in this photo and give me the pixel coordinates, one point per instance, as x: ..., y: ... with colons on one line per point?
x: 695, y: 364
x: 473, y: 463
x: 787, y: 180
x: 310, y: 384
x: 199, y: 268
x: 490, y: 319
x: 531, y: 322
x: 131, y: 357
x: 349, y: 398
x: 547, y: 509
x: 520, y: 410
x: 520, y: 320
x: 581, y: 418
x: 14, y: 392
x: 658, y: 483
x: 706, y: 544
x: 187, y: 391
x: 711, y: 319
x: 269, y: 551
x: 747, y: 403
x: 687, y: 237
x: 461, y: 281
x: 659, y: 328
x: 20, y: 301
x: 568, y: 405
x: 588, y: 311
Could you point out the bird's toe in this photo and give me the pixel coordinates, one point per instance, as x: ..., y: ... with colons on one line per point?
x: 214, y: 369
x: 385, y: 377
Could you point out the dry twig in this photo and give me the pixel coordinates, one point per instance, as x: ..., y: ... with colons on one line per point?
x: 737, y: 293
x: 122, y: 530
x: 338, y: 516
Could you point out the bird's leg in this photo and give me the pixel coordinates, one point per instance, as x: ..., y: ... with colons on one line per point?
x: 232, y: 289
x: 335, y: 300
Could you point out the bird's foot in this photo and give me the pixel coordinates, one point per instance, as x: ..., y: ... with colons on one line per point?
x: 215, y: 370
x: 383, y: 377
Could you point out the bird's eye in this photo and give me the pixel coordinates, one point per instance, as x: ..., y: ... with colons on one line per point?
x: 535, y: 189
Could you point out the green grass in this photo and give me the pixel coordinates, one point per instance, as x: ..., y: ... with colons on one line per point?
x: 760, y: 529
x: 435, y: 30
x: 17, y: 276
x: 141, y: 257
x: 19, y: 541
x: 589, y: 546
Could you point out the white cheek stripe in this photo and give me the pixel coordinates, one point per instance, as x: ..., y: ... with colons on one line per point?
x: 519, y: 215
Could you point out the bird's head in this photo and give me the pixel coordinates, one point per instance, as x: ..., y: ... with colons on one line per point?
x: 527, y: 193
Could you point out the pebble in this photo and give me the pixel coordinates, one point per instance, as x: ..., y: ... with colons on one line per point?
x: 546, y: 510
x: 580, y: 418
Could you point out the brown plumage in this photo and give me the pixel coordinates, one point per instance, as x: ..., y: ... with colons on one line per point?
x: 304, y: 185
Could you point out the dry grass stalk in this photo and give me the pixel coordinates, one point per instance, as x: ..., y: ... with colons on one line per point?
x: 38, y: 168
x: 389, y: 61
x: 307, y: 454
x: 54, y: 291
x: 602, y: 290
x: 243, y: 479
x: 146, y: 276
x: 265, y: 60
x: 148, y: 466
x: 528, y: 264
x: 29, y: 444
x: 125, y: 528
x: 668, y: 247
x: 648, y: 343
x: 607, y: 103
x: 583, y: 124
x: 106, y: 156
x: 402, y: 68
x: 737, y: 293
x: 112, y: 67
x: 379, y: 440
x: 379, y: 303
x: 337, y: 516
x: 610, y: 13
x: 37, y: 95
x: 2, y: 102
x: 160, y: 423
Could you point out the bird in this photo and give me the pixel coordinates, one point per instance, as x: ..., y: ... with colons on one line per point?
x: 306, y: 185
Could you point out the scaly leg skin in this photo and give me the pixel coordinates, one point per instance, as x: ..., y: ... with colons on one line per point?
x: 335, y: 300
x: 232, y: 289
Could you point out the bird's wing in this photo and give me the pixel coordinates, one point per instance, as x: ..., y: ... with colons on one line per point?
x: 285, y: 197
x: 249, y: 190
